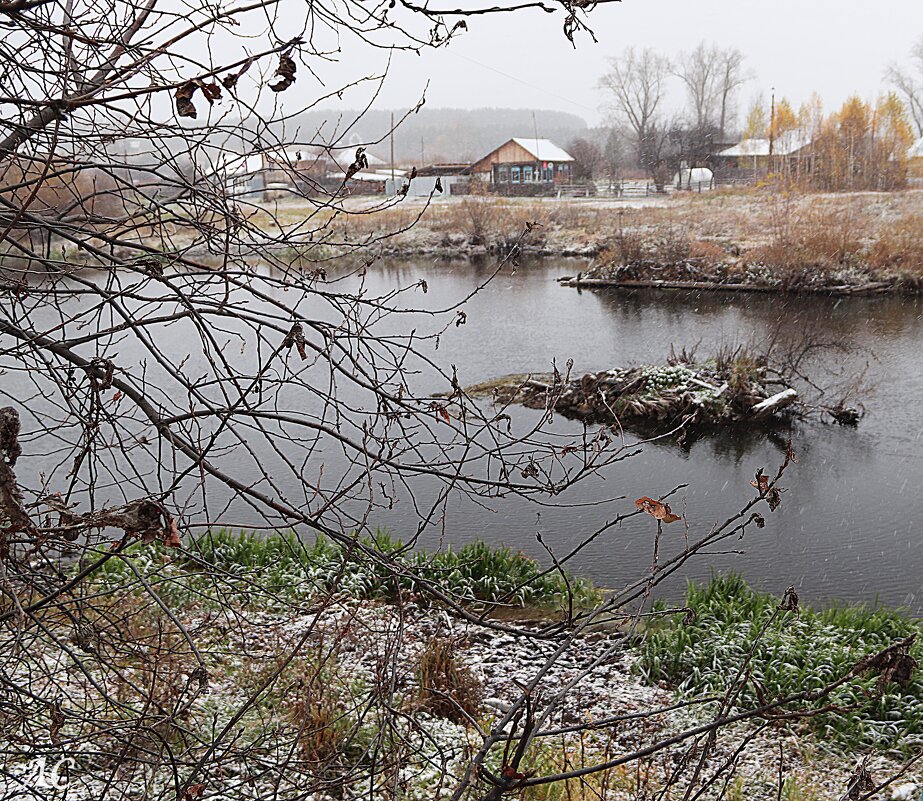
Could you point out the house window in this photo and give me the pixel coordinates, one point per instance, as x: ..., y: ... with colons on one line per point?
x: 502, y: 176
x: 549, y: 172
x: 514, y: 174
x: 527, y: 174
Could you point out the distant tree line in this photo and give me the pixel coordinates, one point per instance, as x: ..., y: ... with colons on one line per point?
x: 437, y: 135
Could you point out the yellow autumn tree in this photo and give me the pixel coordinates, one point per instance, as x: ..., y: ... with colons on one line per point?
x: 892, y: 136
x: 861, y: 147
x: 783, y: 131
x: 783, y: 120
x: 811, y: 115
x: 757, y: 126
x: 839, y: 149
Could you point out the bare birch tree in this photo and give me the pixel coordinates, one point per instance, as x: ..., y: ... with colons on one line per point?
x: 636, y: 85
x: 731, y: 77
x: 698, y: 70
x: 909, y: 83
x: 711, y: 75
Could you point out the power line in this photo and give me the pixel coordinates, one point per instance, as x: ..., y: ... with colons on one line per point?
x: 524, y: 82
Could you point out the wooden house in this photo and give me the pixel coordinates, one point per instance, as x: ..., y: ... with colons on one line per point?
x: 525, y: 166
x: 789, y: 154
x: 305, y: 170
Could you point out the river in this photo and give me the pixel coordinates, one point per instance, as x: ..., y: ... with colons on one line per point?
x: 849, y: 525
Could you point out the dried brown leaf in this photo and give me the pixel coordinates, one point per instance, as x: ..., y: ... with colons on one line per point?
x: 57, y: 722
x: 185, y: 93
x: 789, y: 601
x: 860, y: 783
x: 893, y: 664
x: 230, y: 81
x: 171, y: 538
x: 286, y: 73
x: 183, y: 99
x: 657, y: 509
x: 194, y: 792
x: 761, y: 483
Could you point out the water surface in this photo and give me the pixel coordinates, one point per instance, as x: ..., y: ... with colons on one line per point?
x: 849, y: 527
x: 849, y: 524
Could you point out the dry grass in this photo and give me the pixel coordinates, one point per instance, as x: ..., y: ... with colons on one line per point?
x: 319, y: 709
x: 446, y: 688
x: 484, y: 221
x: 150, y: 669
x: 707, y: 252
x: 899, y: 245
x: 741, y: 363
x: 797, y: 238
x: 560, y: 754
x: 311, y: 697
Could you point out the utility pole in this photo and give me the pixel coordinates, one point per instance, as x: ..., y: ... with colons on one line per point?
x: 393, y: 185
x: 772, y: 130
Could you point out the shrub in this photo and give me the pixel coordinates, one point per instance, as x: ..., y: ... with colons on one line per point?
x: 326, y: 712
x: 627, y: 246
x: 710, y: 254
x: 899, y: 245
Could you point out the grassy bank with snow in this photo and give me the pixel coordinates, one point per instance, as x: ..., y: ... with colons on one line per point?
x: 305, y: 656
x: 279, y: 569
x: 741, y: 638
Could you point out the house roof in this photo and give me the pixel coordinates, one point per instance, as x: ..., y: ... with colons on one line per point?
x: 294, y: 155
x: 786, y: 144
x: 243, y: 165
x: 346, y: 156
x: 317, y: 154
x: 543, y: 149
x: 455, y: 168
x: 374, y: 177
x: 290, y: 154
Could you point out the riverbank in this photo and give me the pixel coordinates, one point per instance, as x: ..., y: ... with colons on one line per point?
x: 316, y: 674
x: 789, y: 648
x: 612, y: 279
x: 766, y: 238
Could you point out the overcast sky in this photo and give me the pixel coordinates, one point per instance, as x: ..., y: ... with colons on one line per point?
x: 523, y: 60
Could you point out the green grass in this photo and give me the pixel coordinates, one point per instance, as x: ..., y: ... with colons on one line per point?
x: 798, y: 652
x: 281, y: 566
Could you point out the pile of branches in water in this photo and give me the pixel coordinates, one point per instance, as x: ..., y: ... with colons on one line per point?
x: 671, y: 392
x: 735, y: 386
x: 738, y: 384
